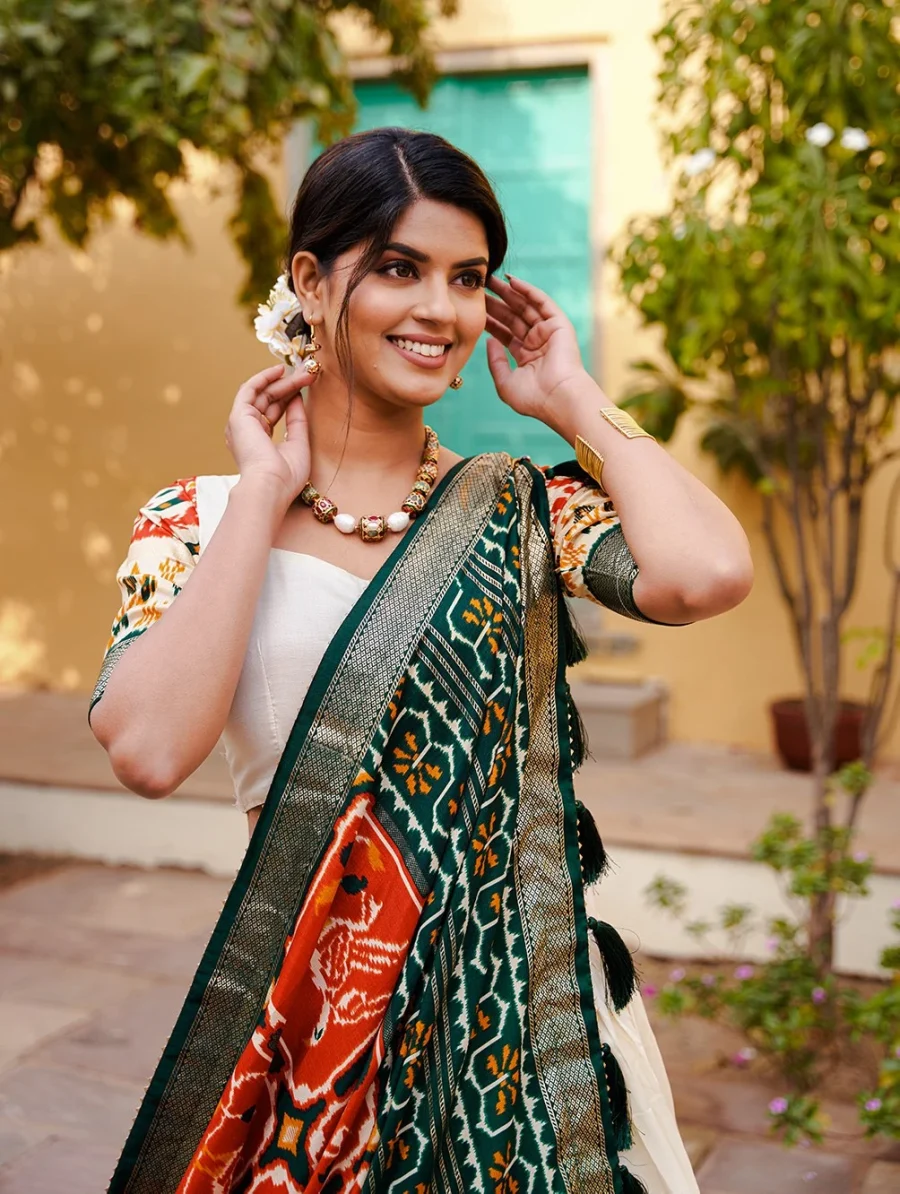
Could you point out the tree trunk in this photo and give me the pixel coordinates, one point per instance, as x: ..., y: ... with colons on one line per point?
x: 822, y: 905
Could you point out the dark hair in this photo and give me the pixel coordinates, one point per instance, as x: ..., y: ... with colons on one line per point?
x: 357, y: 190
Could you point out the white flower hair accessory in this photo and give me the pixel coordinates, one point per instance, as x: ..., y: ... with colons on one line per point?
x: 276, y: 316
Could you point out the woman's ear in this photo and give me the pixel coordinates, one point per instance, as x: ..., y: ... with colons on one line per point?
x: 308, y: 280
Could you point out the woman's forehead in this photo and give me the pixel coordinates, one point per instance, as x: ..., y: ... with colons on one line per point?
x: 438, y: 224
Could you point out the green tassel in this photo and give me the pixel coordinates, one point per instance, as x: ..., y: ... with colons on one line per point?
x: 621, y: 978
x: 628, y: 1183
x: 594, y: 863
x: 577, y: 734
x: 618, y: 1101
x: 573, y: 642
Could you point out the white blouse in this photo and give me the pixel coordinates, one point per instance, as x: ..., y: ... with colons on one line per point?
x: 301, y: 606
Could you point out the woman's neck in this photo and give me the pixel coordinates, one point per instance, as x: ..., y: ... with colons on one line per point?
x: 380, y: 438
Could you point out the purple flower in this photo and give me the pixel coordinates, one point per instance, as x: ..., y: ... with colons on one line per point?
x: 860, y: 856
x: 743, y: 1056
x: 744, y: 972
x: 819, y: 994
x: 771, y: 944
x: 873, y: 1104
x: 648, y: 990
x: 778, y: 1106
x: 897, y: 1051
x: 677, y: 975
x: 895, y: 905
x: 709, y: 980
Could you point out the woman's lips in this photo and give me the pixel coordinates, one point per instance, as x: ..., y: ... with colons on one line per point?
x: 418, y: 359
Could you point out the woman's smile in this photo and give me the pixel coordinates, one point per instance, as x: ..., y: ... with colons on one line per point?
x: 429, y: 352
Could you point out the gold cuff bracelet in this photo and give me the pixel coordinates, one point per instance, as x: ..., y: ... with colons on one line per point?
x: 590, y: 459
x: 624, y: 423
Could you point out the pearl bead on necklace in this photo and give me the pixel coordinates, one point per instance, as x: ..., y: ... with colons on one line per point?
x: 372, y: 527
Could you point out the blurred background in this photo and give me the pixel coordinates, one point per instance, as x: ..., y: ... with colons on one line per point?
x: 710, y: 191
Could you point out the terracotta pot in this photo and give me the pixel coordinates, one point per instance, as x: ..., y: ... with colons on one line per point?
x: 792, y: 733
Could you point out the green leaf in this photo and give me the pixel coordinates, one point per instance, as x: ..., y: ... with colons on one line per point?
x: 734, y: 449
x: 193, y: 72
x: 103, y: 51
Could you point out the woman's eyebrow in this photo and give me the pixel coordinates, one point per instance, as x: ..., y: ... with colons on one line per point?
x: 417, y: 255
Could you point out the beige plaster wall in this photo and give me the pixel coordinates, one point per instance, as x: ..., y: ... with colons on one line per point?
x: 117, y: 369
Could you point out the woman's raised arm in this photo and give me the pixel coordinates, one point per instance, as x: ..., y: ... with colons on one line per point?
x: 692, y: 555
x: 166, y: 701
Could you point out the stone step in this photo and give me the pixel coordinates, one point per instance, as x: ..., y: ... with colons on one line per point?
x: 622, y: 721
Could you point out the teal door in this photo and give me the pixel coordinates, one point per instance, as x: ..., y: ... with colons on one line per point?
x: 530, y: 132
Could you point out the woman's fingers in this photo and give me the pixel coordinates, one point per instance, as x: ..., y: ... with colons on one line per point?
x: 259, y: 381
x: 538, y: 299
x: 510, y: 342
x: 499, y: 365
x: 505, y: 315
x: 270, y: 401
x: 515, y: 301
x: 500, y: 330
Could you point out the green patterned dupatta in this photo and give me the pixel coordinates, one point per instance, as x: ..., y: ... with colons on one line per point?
x: 397, y: 995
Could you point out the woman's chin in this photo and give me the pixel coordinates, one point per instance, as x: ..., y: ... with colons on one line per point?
x: 424, y: 391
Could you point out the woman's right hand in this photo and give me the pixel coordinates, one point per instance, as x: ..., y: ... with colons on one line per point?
x: 258, y: 406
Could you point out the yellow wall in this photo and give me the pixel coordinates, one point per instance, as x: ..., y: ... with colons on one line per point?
x: 117, y: 369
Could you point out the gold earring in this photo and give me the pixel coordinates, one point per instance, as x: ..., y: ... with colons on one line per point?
x: 456, y: 383
x: 311, y: 346
x: 308, y: 350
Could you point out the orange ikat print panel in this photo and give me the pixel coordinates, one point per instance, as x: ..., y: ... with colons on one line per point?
x: 300, y: 1108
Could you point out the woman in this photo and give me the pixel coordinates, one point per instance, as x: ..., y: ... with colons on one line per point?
x: 409, y: 987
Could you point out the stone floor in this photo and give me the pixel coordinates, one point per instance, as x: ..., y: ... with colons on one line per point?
x: 95, y: 961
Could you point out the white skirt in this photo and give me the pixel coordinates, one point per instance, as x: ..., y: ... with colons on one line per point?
x: 657, y: 1156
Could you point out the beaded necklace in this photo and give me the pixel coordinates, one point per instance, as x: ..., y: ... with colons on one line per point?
x: 371, y: 528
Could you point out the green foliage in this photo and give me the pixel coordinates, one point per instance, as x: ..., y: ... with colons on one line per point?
x: 796, y: 1017
x: 815, y: 865
x: 770, y: 278
x: 657, y: 399
x: 769, y: 275
x: 796, y: 1118
x: 668, y: 894
x: 100, y: 100
x: 873, y: 645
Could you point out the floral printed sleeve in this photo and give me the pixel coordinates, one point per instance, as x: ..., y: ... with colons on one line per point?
x: 592, y: 556
x: 164, y: 546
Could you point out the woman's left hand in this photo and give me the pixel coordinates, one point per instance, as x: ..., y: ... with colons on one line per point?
x: 541, y: 341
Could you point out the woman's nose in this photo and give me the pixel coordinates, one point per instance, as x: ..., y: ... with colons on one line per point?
x: 435, y: 303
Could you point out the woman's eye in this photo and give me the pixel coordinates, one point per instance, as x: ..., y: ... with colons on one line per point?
x: 472, y: 279
x: 399, y: 269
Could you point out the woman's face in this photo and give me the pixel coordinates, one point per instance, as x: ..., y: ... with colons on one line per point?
x: 415, y: 319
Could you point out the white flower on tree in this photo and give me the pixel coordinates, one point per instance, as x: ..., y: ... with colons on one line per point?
x: 699, y: 161
x: 855, y: 139
x: 820, y: 134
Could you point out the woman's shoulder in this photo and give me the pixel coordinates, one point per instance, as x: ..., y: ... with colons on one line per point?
x: 179, y: 502
x: 172, y: 510
x: 188, y: 509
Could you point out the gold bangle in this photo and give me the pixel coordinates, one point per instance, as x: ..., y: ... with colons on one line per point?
x: 591, y: 461
x: 624, y: 423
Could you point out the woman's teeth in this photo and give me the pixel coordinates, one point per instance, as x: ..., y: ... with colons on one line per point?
x: 424, y: 350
